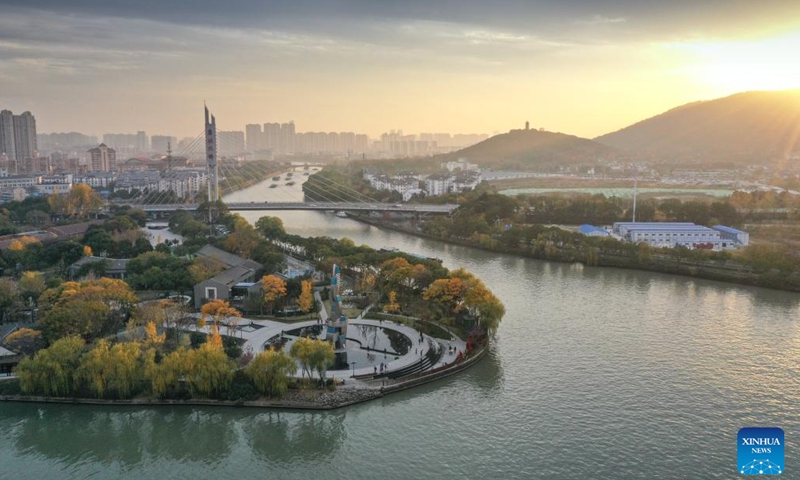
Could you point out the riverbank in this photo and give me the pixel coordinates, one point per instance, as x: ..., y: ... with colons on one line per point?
x: 293, y: 400
x: 659, y: 263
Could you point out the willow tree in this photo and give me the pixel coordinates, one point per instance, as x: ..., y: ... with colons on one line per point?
x: 111, y: 371
x: 313, y: 355
x: 168, y: 373
x: 51, y: 371
x: 271, y: 371
x: 209, y: 370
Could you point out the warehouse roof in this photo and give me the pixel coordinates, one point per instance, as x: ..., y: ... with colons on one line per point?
x: 723, y: 228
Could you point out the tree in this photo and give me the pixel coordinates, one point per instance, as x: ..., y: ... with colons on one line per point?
x: 51, y: 371
x: 111, y: 371
x: 463, y: 291
x: 392, y: 305
x: 26, y: 341
x: 306, y: 299
x: 274, y: 289
x: 220, y: 309
x: 31, y: 285
x: 203, y: 268
x: 80, y: 201
x: 270, y: 227
x: 271, y: 371
x: 243, y: 240
x: 91, y: 308
x: 37, y: 218
x: 87, y: 251
x: 152, y: 339
x: 322, y: 356
x: 301, y: 350
x: 168, y: 373
x: 9, y: 297
x: 209, y: 370
x: 313, y: 355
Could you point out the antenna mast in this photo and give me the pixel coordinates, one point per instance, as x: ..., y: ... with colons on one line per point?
x: 634, y: 199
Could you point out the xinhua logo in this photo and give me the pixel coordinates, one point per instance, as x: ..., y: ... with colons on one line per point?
x: 760, y: 451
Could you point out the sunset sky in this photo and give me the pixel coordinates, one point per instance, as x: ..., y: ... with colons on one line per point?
x: 584, y: 67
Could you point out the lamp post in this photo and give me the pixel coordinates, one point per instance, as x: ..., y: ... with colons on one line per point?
x: 354, y: 369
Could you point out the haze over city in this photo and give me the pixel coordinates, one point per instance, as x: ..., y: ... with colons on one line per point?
x: 580, y: 67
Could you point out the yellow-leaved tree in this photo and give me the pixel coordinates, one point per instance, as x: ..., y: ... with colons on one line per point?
x: 391, y: 306
x: 463, y: 291
x: 306, y: 299
x: 221, y: 311
x: 112, y: 372
x: 51, y: 371
x: 274, y: 289
x: 209, y: 370
x: 271, y: 371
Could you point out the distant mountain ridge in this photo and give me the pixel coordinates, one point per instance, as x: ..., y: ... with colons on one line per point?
x: 524, y: 149
x: 744, y: 128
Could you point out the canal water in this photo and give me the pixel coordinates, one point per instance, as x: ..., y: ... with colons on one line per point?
x: 594, y: 373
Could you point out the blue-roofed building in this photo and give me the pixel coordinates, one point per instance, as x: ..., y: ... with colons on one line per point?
x: 731, y: 234
x: 592, y: 231
x: 670, y: 234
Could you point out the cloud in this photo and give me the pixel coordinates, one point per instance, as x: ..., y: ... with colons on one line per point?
x: 601, y: 20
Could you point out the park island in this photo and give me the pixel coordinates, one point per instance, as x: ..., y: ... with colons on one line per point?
x: 241, y: 314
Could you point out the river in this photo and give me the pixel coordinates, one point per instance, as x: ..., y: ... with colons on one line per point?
x: 594, y: 373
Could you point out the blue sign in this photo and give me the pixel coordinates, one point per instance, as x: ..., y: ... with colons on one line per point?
x: 760, y: 451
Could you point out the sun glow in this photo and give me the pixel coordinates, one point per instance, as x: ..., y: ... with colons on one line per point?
x: 728, y: 67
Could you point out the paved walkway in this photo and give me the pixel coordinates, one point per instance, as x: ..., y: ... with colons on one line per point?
x: 257, y: 339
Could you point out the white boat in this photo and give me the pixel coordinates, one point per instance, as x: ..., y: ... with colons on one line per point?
x: 341, y: 214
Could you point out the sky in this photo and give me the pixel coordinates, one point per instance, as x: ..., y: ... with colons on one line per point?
x: 584, y: 67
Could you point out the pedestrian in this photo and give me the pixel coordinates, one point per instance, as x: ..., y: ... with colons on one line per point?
x: 415, y: 351
x: 374, y: 369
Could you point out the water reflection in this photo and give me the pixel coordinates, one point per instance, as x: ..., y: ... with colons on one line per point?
x: 108, y: 435
x: 285, y: 438
x: 126, y: 438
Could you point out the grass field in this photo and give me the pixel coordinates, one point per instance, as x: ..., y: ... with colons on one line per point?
x: 787, y: 234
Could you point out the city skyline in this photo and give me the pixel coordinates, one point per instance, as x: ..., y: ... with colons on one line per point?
x: 580, y: 67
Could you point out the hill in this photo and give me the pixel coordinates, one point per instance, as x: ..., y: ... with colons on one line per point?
x: 525, y: 149
x: 745, y: 128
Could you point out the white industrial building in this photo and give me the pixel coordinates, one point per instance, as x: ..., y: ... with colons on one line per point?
x: 739, y: 237
x: 673, y: 234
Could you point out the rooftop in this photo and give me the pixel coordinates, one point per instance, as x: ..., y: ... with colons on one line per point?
x: 227, y: 259
x: 233, y: 276
x: 723, y: 228
x: 113, y: 263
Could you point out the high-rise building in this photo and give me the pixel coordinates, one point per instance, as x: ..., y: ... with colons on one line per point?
x: 61, y: 141
x: 17, y: 137
x: 270, y: 136
x: 253, y: 137
x: 102, y: 158
x: 142, y: 142
x: 230, y: 143
x: 25, y: 135
x: 160, y: 143
x: 286, y: 137
x: 7, y: 135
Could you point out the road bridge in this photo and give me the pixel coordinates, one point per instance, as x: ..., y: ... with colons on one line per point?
x: 444, y: 209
